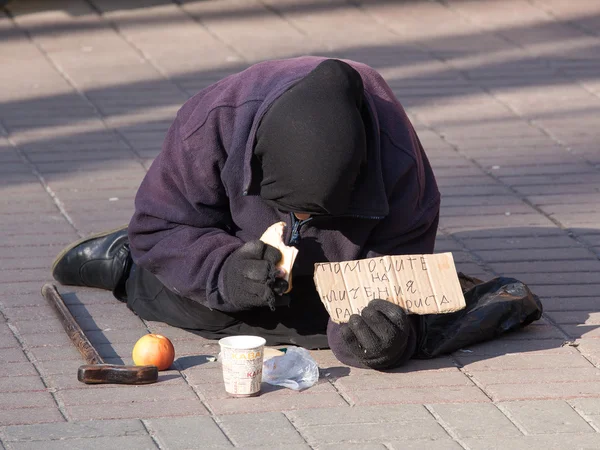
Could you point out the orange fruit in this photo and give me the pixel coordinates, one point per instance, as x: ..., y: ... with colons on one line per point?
x: 153, y: 350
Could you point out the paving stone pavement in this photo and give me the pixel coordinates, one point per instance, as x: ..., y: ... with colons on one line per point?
x: 505, y: 96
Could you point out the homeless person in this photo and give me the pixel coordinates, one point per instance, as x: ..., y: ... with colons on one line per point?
x: 321, y: 144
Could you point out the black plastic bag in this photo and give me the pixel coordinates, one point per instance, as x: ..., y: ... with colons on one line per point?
x: 493, y: 308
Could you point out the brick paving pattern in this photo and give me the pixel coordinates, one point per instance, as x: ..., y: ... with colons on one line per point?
x: 505, y: 96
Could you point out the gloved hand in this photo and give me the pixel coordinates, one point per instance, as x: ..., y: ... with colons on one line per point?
x: 381, y: 337
x: 248, y: 278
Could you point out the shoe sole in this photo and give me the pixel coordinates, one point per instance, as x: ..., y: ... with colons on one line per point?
x: 82, y: 241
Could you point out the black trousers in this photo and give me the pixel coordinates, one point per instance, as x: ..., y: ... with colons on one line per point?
x: 303, y: 323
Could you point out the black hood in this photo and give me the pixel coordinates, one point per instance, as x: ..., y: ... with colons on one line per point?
x: 311, y: 143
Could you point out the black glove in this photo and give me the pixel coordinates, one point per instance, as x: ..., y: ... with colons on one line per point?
x: 381, y: 337
x: 248, y: 277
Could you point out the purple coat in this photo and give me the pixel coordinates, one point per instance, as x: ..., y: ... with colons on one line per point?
x: 198, y: 202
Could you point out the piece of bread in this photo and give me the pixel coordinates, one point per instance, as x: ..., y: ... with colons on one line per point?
x: 274, y: 236
x: 271, y: 352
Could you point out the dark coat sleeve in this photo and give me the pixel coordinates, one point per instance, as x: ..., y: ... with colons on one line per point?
x: 179, y: 230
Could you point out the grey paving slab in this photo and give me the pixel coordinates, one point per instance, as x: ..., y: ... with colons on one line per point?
x: 570, y: 304
x: 409, y: 380
x: 18, y: 369
x: 589, y: 409
x: 35, y: 399
x: 587, y: 441
x: 575, y: 317
x: 587, y: 406
x: 586, y: 265
x: 272, y: 402
x: 341, y: 433
x: 71, y: 430
x: 546, y: 417
x: 26, y: 416
x: 522, y: 361
x: 188, y: 432
x: 12, y: 355
x: 99, y: 443
x: 537, y: 376
x: 7, y: 339
x: 25, y: 313
x: 55, y: 354
x: 473, y: 420
x: 275, y: 429
x: 366, y: 423
x: 129, y: 394
x: 424, y: 444
x: 505, y: 346
x: 581, y: 331
x: 277, y: 447
x: 59, y: 366
x: 509, y: 392
x: 506, y: 210
x: 535, y: 255
x: 362, y: 446
x: 21, y: 384
x: 584, y: 194
x: 402, y: 395
x: 560, y: 278
x: 138, y: 410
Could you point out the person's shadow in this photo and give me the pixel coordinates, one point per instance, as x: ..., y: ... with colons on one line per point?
x: 560, y: 267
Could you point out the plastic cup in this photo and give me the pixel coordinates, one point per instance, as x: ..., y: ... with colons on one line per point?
x: 242, y: 360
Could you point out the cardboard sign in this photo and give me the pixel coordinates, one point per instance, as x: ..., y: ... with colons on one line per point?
x: 420, y: 284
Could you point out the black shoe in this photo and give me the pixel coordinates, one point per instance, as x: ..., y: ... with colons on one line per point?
x: 101, y: 261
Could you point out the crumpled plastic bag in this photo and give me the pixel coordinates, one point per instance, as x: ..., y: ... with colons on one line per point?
x: 295, y: 369
x: 493, y: 308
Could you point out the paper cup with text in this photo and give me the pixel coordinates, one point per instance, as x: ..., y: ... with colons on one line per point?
x: 242, y: 359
